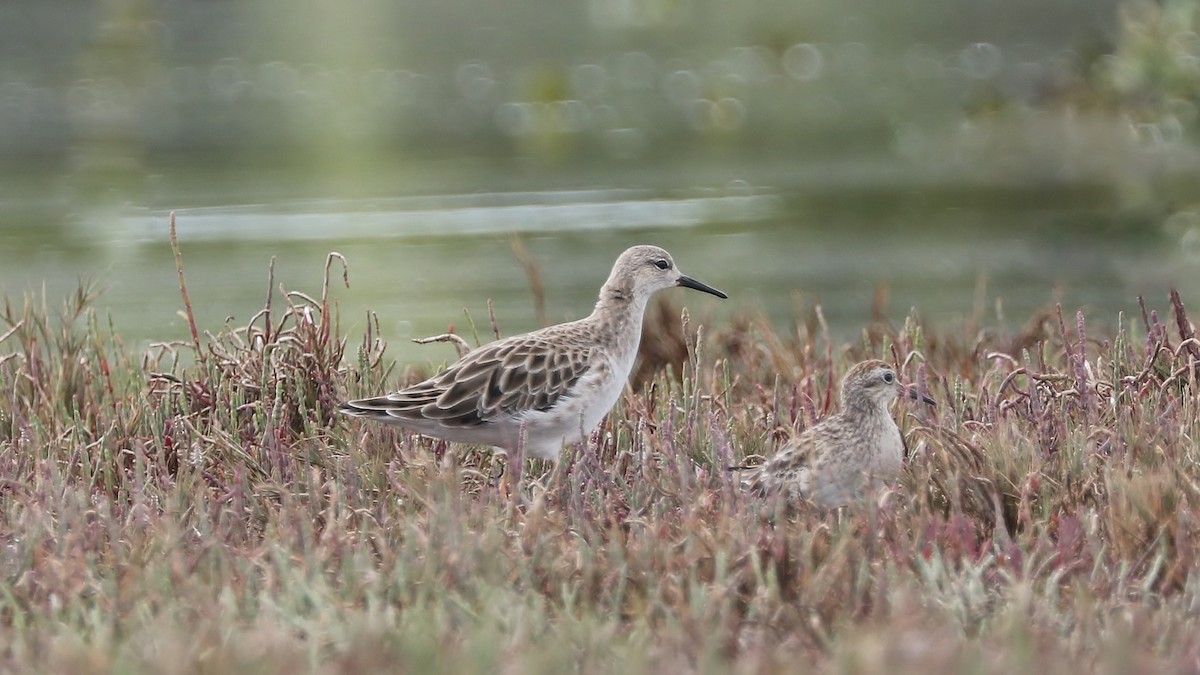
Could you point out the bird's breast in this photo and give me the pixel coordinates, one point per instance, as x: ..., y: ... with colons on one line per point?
x: 890, y: 455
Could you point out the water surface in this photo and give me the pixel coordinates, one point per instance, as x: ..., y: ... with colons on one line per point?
x: 422, y: 262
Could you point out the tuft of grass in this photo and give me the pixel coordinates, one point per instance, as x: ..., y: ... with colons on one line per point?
x: 200, y: 508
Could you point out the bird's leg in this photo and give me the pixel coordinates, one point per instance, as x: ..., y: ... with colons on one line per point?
x: 512, y: 464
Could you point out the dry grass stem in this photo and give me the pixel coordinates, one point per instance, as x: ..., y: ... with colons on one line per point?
x: 200, y: 507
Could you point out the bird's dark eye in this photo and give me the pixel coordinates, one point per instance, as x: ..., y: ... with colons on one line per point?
x: 888, y: 377
x: 662, y: 264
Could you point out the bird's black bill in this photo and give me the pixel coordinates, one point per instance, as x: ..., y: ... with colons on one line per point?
x: 688, y: 282
x: 912, y: 393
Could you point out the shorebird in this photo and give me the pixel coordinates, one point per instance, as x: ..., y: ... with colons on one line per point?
x: 848, y: 453
x: 544, y: 389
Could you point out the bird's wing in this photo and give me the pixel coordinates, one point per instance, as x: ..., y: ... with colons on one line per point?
x: 507, y: 376
x: 785, y: 466
x: 796, y: 459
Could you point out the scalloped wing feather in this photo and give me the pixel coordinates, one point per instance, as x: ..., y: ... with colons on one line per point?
x: 782, y: 470
x: 508, y: 376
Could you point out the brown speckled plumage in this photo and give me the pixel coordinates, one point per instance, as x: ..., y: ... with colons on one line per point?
x: 554, y: 385
x: 850, y: 452
x: 530, y: 373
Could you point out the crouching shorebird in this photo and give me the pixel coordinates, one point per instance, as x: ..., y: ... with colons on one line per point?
x: 553, y: 386
x: 849, y: 453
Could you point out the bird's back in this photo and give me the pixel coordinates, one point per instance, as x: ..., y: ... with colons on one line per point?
x: 497, y: 381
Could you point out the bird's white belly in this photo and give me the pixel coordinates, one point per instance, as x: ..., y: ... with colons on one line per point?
x: 576, y: 415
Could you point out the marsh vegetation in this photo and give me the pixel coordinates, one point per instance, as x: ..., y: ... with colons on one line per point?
x: 198, y: 507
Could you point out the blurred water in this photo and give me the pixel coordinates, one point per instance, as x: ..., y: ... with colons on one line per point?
x: 419, y: 262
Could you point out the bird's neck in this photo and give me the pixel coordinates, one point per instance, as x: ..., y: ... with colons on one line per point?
x: 619, y: 312
x: 866, y: 406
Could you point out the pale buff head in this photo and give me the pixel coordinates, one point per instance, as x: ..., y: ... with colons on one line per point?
x: 642, y: 271
x: 875, y: 383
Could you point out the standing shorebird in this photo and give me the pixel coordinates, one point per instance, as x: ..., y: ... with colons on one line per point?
x: 553, y: 386
x: 850, y: 452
